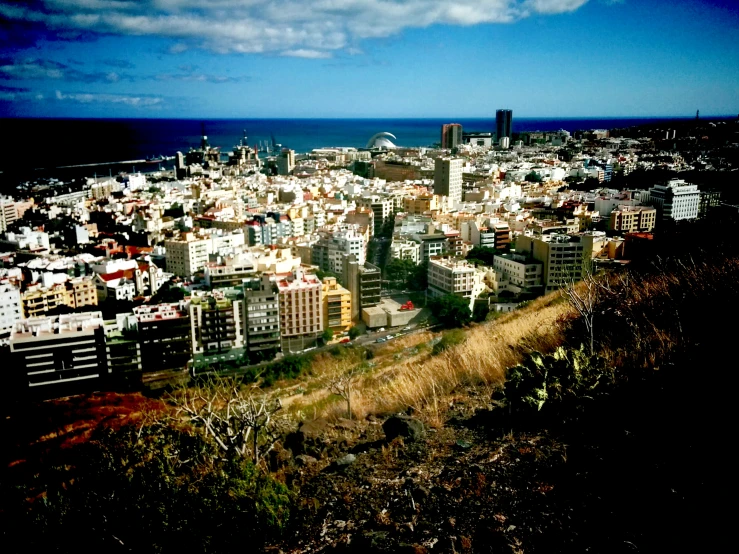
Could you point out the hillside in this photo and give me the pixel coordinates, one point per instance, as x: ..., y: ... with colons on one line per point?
x: 622, y: 451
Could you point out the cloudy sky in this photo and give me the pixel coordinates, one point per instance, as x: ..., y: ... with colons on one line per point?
x: 368, y: 58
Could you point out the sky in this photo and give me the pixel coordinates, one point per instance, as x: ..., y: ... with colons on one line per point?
x: 368, y: 58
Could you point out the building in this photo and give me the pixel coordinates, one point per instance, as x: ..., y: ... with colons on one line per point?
x: 708, y: 199
x: 478, y: 139
x: 676, y: 200
x: 286, y: 161
x: 454, y: 276
x: 405, y: 250
x: 124, y: 358
x: 381, y: 206
x: 448, y: 178
x: 421, y: 204
x: 503, y: 124
x: 451, y: 135
x: 25, y: 240
x: 59, y: 354
x: 481, y: 235
x: 229, y: 271
x: 216, y: 323
x: 363, y: 283
x: 8, y: 213
x: 562, y: 256
x: 76, y: 293
x: 632, y: 219
x: 328, y: 253
x: 337, y: 306
x: 187, y: 256
x: 165, y: 337
x: 261, y: 318
x: 10, y: 309
x: 523, y: 273
x: 502, y: 233
x: 431, y: 245
x: 301, y: 309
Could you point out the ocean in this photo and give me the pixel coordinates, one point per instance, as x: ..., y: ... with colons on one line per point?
x: 37, y: 147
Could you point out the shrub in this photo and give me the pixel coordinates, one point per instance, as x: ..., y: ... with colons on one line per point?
x: 560, y: 384
x: 154, y: 488
x: 449, y: 339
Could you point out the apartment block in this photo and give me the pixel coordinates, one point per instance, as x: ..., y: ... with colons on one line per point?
x: 448, y: 178
x: 261, y: 318
x: 405, y: 250
x: 633, y: 219
x: 381, y: 206
x: 454, y: 276
x: 676, y: 200
x: 421, y: 204
x: 522, y: 272
x: 562, y: 256
x: 337, y: 306
x: 301, y: 309
x: 75, y: 293
x: 59, y: 353
x: 216, y: 323
x: 165, y: 336
x: 187, y: 256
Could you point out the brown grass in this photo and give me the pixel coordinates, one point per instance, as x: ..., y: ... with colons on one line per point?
x: 426, y: 383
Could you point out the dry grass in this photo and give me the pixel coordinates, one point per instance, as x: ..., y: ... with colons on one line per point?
x: 425, y: 384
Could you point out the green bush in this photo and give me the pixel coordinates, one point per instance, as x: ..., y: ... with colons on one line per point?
x: 449, y: 339
x: 354, y: 332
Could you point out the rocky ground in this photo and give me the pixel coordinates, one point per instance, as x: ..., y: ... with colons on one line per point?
x: 610, y: 484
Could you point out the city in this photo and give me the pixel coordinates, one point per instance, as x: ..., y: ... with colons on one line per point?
x: 408, y: 276
x: 233, y: 259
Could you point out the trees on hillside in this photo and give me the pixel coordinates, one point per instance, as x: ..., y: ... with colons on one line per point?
x: 451, y: 311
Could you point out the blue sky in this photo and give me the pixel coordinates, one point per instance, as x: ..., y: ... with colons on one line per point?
x: 368, y: 58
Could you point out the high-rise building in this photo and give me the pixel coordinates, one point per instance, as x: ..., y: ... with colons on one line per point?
x: 337, y: 306
x: 451, y: 135
x: 503, y: 123
x: 286, y: 161
x: 8, y: 212
x: 301, y: 309
x: 448, y: 178
x: 261, y: 318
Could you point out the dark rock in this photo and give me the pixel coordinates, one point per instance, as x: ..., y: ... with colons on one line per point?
x: 310, y: 434
x: 374, y: 542
x: 403, y: 426
x: 279, y: 457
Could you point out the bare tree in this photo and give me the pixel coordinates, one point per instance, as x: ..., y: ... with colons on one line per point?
x: 584, y: 296
x: 341, y: 383
x: 239, y: 420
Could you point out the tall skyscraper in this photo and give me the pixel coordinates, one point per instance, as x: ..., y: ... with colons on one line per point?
x: 451, y: 135
x: 503, y: 123
x: 448, y: 178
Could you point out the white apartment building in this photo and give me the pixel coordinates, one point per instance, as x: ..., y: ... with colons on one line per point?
x: 8, y: 212
x: 187, y: 256
x: 405, y: 250
x: 453, y: 276
x: 517, y: 270
x: 675, y: 200
x: 10, y: 308
x: 448, y: 178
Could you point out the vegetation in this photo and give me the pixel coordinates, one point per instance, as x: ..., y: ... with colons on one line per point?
x: 327, y: 336
x: 155, y: 487
x: 451, y: 311
x: 448, y: 340
x: 354, y: 332
x: 482, y: 255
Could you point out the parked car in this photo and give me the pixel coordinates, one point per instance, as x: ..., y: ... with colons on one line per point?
x: 380, y: 340
x: 381, y: 330
x: 345, y: 340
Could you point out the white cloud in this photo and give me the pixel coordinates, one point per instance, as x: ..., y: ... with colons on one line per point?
x: 303, y: 28
x: 94, y: 98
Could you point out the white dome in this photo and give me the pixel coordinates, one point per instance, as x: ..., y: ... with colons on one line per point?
x: 380, y: 141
